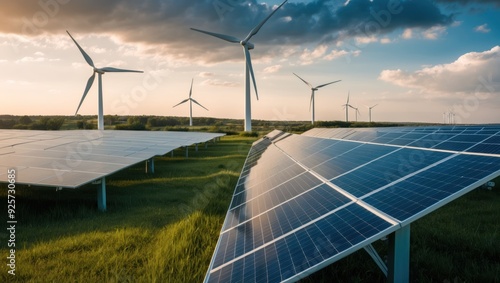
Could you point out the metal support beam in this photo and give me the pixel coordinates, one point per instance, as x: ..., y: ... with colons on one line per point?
x: 196, y: 147
x: 172, y: 153
x: 206, y: 145
x: 150, y: 165
x: 187, y: 151
x: 101, y: 195
x: 399, y: 256
x: 376, y: 258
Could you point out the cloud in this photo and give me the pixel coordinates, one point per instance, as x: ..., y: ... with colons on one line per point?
x: 434, y: 32
x: 483, y: 28
x: 206, y: 74
x: 471, y: 72
x: 335, y: 54
x: 272, y: 69
x: 466, y: 2
x: 161, y: 27
x: 307, y: 57
x: 217, y: 82
x: 407, y: 33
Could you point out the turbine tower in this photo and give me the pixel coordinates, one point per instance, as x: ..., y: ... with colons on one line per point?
x: 370, y: 112
x: 356, y: 111
x: 346, y: 106
x: 100, y: 72
x: 313, y: 91
x: 248, y: 63
x: 190, y: 104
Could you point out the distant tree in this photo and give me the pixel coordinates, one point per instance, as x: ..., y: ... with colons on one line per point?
x: 25, y: 120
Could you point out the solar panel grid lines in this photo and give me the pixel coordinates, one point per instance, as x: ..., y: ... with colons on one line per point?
x: 82, y: 156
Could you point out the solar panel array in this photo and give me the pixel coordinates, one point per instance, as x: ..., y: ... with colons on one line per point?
x: 305, y: 201
x: 70, y: 159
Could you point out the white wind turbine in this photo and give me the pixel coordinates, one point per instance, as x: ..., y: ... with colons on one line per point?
x: 370, y: 111
x: 190, y: 104
x: 100, y: 72
x: 313, y: 91
x: 347, y: 106
x: 248, y: 63
x: 356, y: 110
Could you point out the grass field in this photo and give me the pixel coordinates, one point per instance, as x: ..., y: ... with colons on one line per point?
x: 164, y: 227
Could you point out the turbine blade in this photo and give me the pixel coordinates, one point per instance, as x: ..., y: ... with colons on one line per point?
x: 87, y: 88
x: 256, y: 29
x: 191, y: 89
x: 320, y: 86
x: 303, y: 80
x: 198, y: 104
x: 85, y: 55
x: 218, y: 35
x: 311, y: 103
x: 116, y: 70
x: 374, y: 105
x: 184, y: 101
x: 351, y: 107
x: 348, y: 93
x: 250, y: 69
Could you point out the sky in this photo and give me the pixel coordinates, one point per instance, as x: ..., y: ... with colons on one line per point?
x: 415, y: 59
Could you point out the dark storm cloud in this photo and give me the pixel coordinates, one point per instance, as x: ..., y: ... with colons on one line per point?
x: 164, y: 24
x: 465, y: 2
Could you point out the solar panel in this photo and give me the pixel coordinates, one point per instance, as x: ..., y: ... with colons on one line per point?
x: 70, y: 159
x: 304, y: 201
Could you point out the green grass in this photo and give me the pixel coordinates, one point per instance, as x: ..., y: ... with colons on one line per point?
x: 164, y: 228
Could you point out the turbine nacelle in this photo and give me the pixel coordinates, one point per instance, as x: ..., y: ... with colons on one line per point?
x: 99, y: 71
x: 248, y: 44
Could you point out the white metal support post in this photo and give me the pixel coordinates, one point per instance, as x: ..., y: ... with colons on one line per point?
x: 399, y: 256
x: 101, y: 195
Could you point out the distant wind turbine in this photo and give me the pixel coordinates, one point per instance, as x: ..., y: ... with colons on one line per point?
x: 190, y: 104
x: 347, y: 106
x: 313, y: 91
x: 248, y: 63
x: 356, y: 111
x: 370, y: 112
x: 100, y: 72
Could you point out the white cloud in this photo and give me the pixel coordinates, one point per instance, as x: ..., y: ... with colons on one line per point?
x: 335, y: 54
x: 97, y: 50
x: 217, y: 82
x: 366, y: 39
x: 39, y: 54
x: 471, y: 73
x: 272, y: 69
x: 206, y: 74
x: 307, y: 57
x: 407, y: 33
x: 434, y: 32
x: 385, y: 40
x: 483, y: 28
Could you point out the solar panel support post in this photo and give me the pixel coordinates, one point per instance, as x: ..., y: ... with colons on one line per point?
x: 101, y: 195
x: 187, y: 151
x: 196, y: 147
x: 376, y: 258
x: 399, y: 256
x: 150, y: 165
x: 206, y: 145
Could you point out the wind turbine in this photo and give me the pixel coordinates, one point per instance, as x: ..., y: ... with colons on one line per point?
x: 346, y: 106
x: 190, y: 104
x: 248, y: 63
x: 370, y: 112
x: 313, y: 91
x: 100, y: 72
x: 356, y: 111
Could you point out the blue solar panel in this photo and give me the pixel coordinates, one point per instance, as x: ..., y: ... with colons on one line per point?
x: 409, y: 197
x: 387, y: 170
x: 303, y: 202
